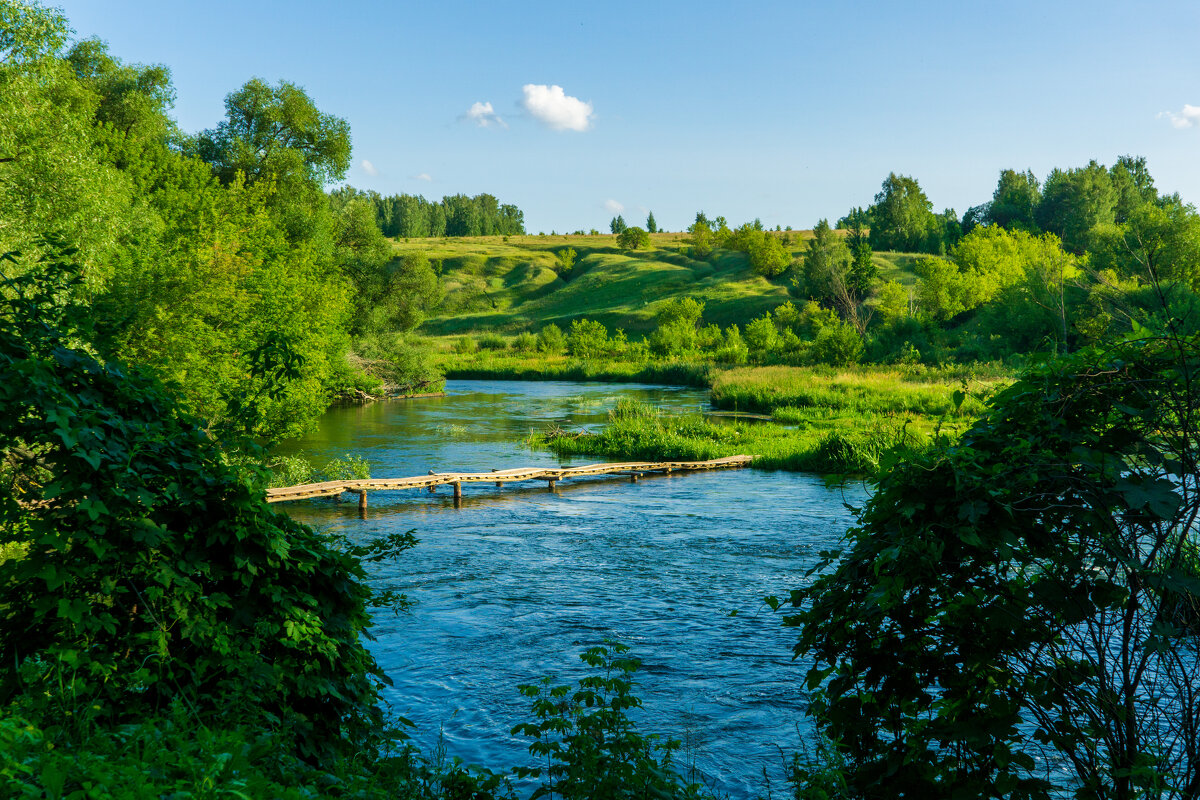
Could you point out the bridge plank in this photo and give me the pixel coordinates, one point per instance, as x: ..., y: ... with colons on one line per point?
x: 333, y: 488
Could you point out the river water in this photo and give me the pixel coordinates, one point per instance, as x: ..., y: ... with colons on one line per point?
x: 515, y: 583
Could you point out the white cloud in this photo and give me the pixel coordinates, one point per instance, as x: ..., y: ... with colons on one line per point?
x: 369, y: 168
x: 424, y: 176
x: 1189, y: 117
x: 613, y: 207
x: 555, y: 108
x: 483, y: 115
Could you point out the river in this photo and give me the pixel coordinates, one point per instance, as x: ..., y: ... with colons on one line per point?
x: 519, y: 580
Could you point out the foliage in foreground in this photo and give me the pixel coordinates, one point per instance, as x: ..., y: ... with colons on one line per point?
x: 1015, y: 615
x: 592, y: 749
x: 155, y: 574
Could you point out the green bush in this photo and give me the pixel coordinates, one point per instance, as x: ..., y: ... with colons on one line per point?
x: 492, y: 341
x: 551, y: 340
x: 838, y: 345
x: 592, y: 750
x: 465, y: 346
x: 525, y: 342
x: 587, y: 339
x: 762, y: 338
x: 672, y: 339
x: 292, y: 471
x: 633, y: 238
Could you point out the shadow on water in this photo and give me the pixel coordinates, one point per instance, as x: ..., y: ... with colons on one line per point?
x: 516, y: 581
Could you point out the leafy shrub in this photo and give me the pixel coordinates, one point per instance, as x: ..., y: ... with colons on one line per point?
x: 734, y: 349
x: 551, y: 340
x: 465, y: 346
x: 162, y: 575
x: 839, y: 345
x: 762, y: 339
x: 673, y: 338
x: 633, y: 238
x: 347, y: 468
x: 292, y: 471
x: 587, y: 339
x: 592, y: 750
x: 525, y: 342
x: 492, y: 341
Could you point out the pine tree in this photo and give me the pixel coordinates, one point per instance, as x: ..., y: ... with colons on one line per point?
x: 651, y: 225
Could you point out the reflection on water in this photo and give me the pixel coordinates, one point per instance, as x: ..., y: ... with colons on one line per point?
x: 515, y: 583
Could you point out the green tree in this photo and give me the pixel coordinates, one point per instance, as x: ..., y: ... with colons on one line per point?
x: 762, y: 338
x: 587, y: 339
x: 1014, y: 616
x: 565, y: 259
x: 675, y: 327
x: 463, y: 216
x: 901, y: 216
x: 633, y: 238
x: 1016, y: 197
x: 617, y: 225
x: 551, y: 340
x: 1158, y: 243
x: 52, y: 181
x: 413, y: 291
x: 941, y: 290
x: 826, y: 263
x: 1133, y: 185
x: 893, y: 302
x: 651, y: 225
x: 767, y: 256
x: 701, y: 237
x: 276, y: 133
x: 1074, y: 202
x: 159, y: 576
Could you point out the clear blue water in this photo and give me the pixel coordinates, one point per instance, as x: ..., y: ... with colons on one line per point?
x: 515, y: 583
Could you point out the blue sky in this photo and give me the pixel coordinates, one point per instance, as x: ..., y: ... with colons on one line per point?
x: 789, y: 112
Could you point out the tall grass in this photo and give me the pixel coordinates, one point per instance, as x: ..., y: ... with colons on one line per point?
x: 858, y: 445
x: 860, y: 390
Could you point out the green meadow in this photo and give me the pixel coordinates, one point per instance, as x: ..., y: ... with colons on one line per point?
x: 520, y: 284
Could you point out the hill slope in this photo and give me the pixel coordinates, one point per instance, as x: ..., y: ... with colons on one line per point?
x: 519, y: 284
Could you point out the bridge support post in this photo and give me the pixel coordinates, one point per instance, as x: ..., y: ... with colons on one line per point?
x: 457, y: 492
x: 551, y: 483
x: 633, y: 477
x: 362, y: 500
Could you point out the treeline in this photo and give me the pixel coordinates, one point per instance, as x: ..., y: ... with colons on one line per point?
x: 1071, y: 203
x: 412, y: 216
x: 1088, y: 256
x: 214, y: 260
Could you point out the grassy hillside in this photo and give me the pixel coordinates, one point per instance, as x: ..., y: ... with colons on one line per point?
x: 515, y: 285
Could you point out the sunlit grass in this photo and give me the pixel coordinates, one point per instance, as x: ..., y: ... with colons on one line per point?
x: 817, y: 440
x: 860, y: 390
x: 519, y: 285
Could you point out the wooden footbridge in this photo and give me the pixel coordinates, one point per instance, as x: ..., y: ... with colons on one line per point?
x: 634, y: 469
